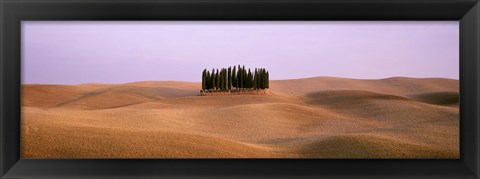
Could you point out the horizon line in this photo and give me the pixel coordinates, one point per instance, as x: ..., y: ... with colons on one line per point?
x: 91, y: 83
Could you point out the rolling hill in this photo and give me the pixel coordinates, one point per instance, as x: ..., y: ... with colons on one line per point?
x: 321, y: 117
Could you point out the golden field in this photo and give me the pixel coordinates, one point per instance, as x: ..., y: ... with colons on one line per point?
x: 322, y: 117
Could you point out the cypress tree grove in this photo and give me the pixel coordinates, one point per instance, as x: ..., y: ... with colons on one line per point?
x: 224, y: 79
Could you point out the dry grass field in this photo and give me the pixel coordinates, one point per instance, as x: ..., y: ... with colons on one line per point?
x: 322, y: 117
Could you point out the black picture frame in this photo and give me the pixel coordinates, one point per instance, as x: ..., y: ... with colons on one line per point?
x: 12, y: 12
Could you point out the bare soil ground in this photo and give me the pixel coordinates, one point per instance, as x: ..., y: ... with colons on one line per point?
x: 322, y: 117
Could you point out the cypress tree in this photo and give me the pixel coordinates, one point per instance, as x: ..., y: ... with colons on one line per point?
x: 255, y: 77
x: 208, y: 80
x: 220, y: 83
x: 247, y: 81
x: 240, y: 76
x: 234, y: 77
x: 249, y: 77
x: 212, y: 80
x: 260, y: 78
x: 264, y: 85
x: 221, y: 79
x: 249, y: 74
x: 204, y: 80
x: 217, y: 81
x: 264, y: 79
x: 224, y: 79
x: 229, y: 78
x: 244, y: 77
x: 267, y: 80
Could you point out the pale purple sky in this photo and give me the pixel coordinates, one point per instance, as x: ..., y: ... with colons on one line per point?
x: 56, y: 52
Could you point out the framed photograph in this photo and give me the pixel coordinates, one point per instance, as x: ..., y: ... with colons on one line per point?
x: 239, y: 89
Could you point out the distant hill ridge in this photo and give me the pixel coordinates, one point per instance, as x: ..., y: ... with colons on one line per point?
x: 46, y: 95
